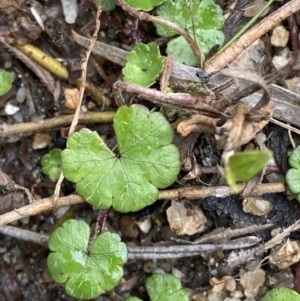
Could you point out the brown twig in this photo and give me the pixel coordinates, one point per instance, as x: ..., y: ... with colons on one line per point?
x: 14, y: 132
x: 147, y: 17
x: 261, y: 28
x: 192, y: 193
x: 178, y: 100
x: 81, y: 93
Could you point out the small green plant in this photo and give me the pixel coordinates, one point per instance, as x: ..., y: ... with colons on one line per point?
x: 163, y: 287
x: 6, y: 80
x: 144, y: 64
x: 245, y: 165
x: 145, y: 5
x: 293, y: 174
x: 202, y: 19
x: 281, y: 294
x: 51, y: 164
x: 128, y: 178
x: 86, y: 269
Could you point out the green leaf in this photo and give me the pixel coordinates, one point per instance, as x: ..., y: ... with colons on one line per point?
x: 145, y: 5
x: 293, y: 174
x: 204, y: 19
x: 294, y: 159
x: 293, y: 180
x: 144, y: 64
x: 133, y: 299
x: 245, y: 165
x: 51, y: 164
x: 85, y: 272
x: 165, y: 288
x: 128, y: 179
x: 6, y: 80
x: 107, y: 5
x: 281, y: 294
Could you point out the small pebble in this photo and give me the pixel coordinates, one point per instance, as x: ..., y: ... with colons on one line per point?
x: 21, y: 95
x: 280, y: 37
x: 11, y: 109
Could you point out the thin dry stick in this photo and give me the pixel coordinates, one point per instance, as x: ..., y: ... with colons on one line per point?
x: 81, y: 93
x: 14, y: 132
x: 41, y: 239
x: 268, y: 245
x: 147, y: 17
x: 229, y: 233
x: 286, y: 126
x: 193, y: 193
x: 153, y: 252
x: 261, y: 28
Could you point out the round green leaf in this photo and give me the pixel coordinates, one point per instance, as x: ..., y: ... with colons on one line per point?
x: 165, y: 288
x: 293, y: 180
x: 145, y: 5
x: 294, y: 159
x: 144, y: 64
x: 51, y: 164
x: 202, y: 19
x: 6, y: 80
x: 128, y: 179
x: 206, y: 39
x: 245, y: 165
x: 133, y: 299
x: 86, y: 272
x: 281, y: 294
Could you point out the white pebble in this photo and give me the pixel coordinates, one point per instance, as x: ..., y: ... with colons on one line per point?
x: 11, y: 109
x: 70, y: 9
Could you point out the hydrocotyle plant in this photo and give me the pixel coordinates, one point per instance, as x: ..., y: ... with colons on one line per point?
x: 203, y: 20
x: 293, y: 174
x: 144, y: 64
x: 86, y: 268
x: 128, y: 177
x: 281, y: 294
x: 163, y: 287
x: 51, y: 164
x: 6, y: 80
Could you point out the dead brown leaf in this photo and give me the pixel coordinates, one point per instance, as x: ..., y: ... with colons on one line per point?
x: 197, y: 123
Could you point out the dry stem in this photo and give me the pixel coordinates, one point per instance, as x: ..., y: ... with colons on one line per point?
x: 261, y: 28
x: 193, y: 193
x: 81, y: 93
x: 14, y: 132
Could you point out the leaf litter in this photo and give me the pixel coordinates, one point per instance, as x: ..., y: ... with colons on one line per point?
x: 285, y: 110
